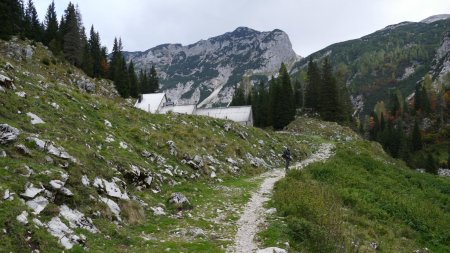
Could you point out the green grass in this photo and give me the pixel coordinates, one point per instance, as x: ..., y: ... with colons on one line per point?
x: 78, y: 126
x: 360, y: 196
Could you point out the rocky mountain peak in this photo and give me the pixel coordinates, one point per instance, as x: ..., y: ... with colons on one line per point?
x: 208, y: 70
x: 435, y: 18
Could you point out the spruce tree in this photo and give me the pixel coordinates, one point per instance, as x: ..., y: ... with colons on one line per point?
x: 416, y: 138
x: 154, y: 80
x: 312, y: 88
x: 239, y: 96
x: 11, y: 18
x: 285, y: 99
x: 72, y: 41
x: 273, y: 101
x: 133, y: 82
x: 95, y: 51
x: 329, y: 106
x: 51, y: 25
x: 33, y: 28
x: 430, y: 165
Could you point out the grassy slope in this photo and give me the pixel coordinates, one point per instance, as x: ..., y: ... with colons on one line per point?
x: 78, y: 126
x: 359, y: 196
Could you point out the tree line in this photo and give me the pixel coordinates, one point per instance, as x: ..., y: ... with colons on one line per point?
x: 408, y: 129
x: 67, y: 39
x: 316, y: 91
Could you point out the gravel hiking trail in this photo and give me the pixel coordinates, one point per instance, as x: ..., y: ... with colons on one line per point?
x: 254, y: 212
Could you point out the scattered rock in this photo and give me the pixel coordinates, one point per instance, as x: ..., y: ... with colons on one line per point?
x: 6, y: 82
x: 23, y: 218
x: 261, y: 142
x: 76, y: 219
x: 8, y: 66
x: 374, y: 245
x: 38, y: 223
x: 23, y: 150
x: 158, y: 211
x: 271, y: 211
x: 8, y: 133
x: 227, y: 127
x: 110, y: 188
x: 38, y: 204
x: 213, y: 174
x: 56, y: 184
x: 55, y: 105
x: 231, y: 161
x: 271, y: 250
x: 109, y: 139
x: 31, y: 191
x: 243, y: 135
x: 35, y: 119
x: 2, y: 154
x: 107, y: 123
x: 66, y: 236
x: 444, y: 172
x: 8, y: 195
x: 66, y: 192
x: 196, y: 232
x: 85, y: 84
x: 172, y: 148
x: 2, y: 89
x: 21, y: 94
x: 123, y: 145
x: 113, y: 206
x: 179, y: 201
x: 85, y: 180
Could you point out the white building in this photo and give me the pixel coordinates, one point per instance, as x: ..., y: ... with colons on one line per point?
x: 240, y: 114
x: 158, y: 103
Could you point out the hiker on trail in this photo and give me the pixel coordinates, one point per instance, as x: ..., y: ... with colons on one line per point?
x: 287, y: 157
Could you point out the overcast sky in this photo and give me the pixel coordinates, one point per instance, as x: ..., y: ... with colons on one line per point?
x: 310, y: 24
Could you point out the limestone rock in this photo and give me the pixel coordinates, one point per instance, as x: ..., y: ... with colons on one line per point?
x: 8, y: 133
x: 271, y: 250
x: 76, y: 219
x: 6, y: 82
x: 23, y: 218
x: 23, y: 150
x: 21, y: 94
x: 35, y: 119
x: 2, y: 154
x: 66, y: 236
x: 227, y: 127
x: 85, y: 180
x: 8, y: 195
x: 172, y: 148
x: 113, y: 206
x: 85, y: 84
x: 110, y: 188
x: 179, y: 200
x: 56, y: 184
x: 158, y: 211
x: 107, y: 123
x: 38, y: 204
x: 31, y: 191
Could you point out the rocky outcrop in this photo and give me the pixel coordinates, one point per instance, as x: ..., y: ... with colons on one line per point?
x: 8, y: 133
x: 191, y: 73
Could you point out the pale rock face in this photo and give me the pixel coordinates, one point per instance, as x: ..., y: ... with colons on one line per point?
x: 38, y: 204
x: 8, y: 133
x: 23, y: 218
x: 66, y: 236
x: 35, y: 119
x: 206, y: 72
x: 113, y: 206
x: 76, y: 219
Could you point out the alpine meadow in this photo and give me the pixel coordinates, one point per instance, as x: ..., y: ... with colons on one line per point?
x: 232, y: 143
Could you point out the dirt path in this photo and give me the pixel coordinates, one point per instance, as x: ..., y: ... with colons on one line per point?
x: 254, y: 212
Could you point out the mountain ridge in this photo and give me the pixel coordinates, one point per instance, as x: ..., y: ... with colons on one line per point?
x: 191, y: 73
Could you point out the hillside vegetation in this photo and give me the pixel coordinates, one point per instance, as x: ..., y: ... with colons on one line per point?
x: 360, y: 200
x: 115, y: 167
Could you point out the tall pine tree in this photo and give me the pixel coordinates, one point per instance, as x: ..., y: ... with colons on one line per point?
x: 11, y: 18
x: 312, y: 87
x: 51, y: 26
x: 329, y: 106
